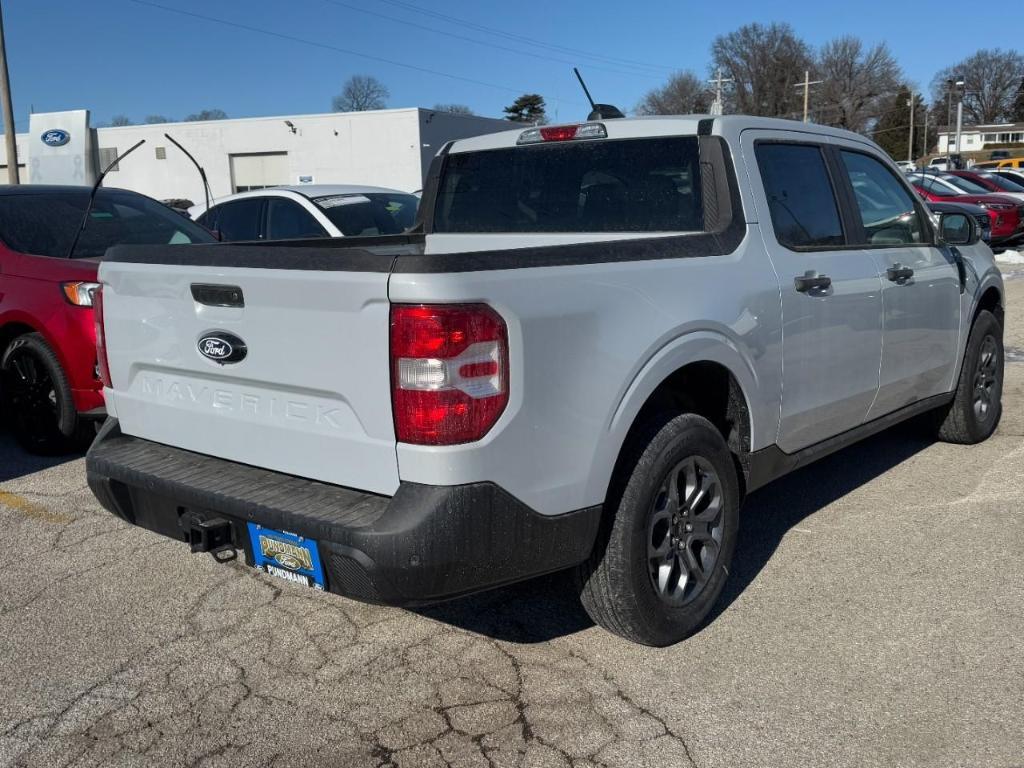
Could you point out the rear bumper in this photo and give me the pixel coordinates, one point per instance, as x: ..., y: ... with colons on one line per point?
x: 423, y: 545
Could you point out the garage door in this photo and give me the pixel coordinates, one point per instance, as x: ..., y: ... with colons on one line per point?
x: 256, y: 171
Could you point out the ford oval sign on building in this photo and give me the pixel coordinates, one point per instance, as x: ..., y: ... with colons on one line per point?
x: 55, y: 137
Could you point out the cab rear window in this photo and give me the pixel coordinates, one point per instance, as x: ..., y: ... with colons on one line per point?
x: 625, y: 185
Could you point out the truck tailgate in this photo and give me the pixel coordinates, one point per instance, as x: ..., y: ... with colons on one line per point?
x: 310, y: 398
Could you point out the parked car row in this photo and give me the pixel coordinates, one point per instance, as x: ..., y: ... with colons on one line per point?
x: 999, y: 194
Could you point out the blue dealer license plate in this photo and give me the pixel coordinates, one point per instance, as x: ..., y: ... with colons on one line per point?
x: 286, y: 556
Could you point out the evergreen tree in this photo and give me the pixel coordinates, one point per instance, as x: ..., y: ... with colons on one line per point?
x: 892, y: 130
x: 1017, y: 110
x: 528, y: 108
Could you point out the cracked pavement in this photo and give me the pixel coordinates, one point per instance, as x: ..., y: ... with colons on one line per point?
x: 875, y: 617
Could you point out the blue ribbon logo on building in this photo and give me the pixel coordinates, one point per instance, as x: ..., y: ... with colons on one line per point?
x: 55, y: 137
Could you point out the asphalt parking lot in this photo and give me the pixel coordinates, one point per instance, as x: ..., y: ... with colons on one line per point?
x: 875, y: 618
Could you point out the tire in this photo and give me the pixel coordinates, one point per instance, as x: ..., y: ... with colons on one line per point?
x: 633, y: 582
x: 977, y: 405
x: 36, y: 399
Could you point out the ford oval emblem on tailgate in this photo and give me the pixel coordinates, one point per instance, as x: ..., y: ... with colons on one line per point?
x: 222, y: 347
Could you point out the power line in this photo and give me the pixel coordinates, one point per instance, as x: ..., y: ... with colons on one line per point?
x: 517, y: 51
x: 325, y: 46
x: 523, y: 39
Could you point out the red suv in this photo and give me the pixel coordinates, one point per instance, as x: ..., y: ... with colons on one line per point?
x: 991, y: 182
x: 1005, y: 213
x: 49, y: 389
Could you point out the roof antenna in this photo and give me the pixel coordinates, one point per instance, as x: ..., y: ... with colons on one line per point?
x: 597, y: 111
x: 92, y: 196
x: 202, y: 172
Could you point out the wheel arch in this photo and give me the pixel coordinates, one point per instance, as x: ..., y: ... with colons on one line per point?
x: 992, y: 300
x: 12, y: 329
x: 703, y: 373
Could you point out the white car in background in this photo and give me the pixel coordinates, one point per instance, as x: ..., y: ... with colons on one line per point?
x: 308, y: 210
x: 907, y: 166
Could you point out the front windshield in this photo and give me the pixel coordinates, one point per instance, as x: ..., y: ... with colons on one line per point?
x: 936, y: 185
x: 966, y: 185
x: 370, y: 213
x: 45, y: 224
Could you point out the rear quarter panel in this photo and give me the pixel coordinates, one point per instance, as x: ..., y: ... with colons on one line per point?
x: 588, y: 345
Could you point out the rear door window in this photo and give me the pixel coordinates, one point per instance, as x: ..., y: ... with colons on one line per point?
x: 801, y: 198
x: 240, y: 220
x: 287, y: 220
x: 626, y: 185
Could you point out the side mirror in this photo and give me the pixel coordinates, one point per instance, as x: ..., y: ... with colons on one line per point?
x: 958, y: 229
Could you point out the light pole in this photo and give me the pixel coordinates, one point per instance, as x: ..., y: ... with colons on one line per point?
x: 961, y: 92
x: 949, y: 116
x: 950, y: 84
x: 924, y: 138
x: 910, y: 138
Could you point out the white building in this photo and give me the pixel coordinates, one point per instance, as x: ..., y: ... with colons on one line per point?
x: 387, y: 148
x: 978, y: 137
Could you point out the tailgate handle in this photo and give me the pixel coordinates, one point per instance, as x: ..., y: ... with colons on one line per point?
x: 218, y: 295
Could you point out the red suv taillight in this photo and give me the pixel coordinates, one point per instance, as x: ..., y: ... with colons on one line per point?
x: 449, y: 372
x: 101, y: 338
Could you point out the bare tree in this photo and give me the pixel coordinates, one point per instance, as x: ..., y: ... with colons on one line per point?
x: 683, y: 94
x: 765, y: 62
x: 119, y: 120
x: 857, y: 82
x: 206, y: 114
x: 991, y: 79
x: 156, y: 119
x: 454, y: 109
x: 361, y: 93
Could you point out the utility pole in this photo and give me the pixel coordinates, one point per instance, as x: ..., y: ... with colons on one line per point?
x: 10, y: 138
x: 806, y: 85
x: 719, y: 81
x: 910, y: 138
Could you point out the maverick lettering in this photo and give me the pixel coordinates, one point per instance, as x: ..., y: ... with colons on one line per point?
x: 275, y: 407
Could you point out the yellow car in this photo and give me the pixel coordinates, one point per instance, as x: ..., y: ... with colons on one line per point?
x: 1008, y: 162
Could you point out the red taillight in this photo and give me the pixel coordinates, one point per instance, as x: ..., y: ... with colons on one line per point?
x: 559, y: 132
x: 537, y: 134
x: 101, y: 338
x: 449, y: 372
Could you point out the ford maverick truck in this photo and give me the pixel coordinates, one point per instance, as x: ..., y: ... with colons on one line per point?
x: 595, y: 342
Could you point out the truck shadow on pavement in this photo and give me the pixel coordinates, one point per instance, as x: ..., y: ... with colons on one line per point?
x: 15, y: 462
x: 546, y: 608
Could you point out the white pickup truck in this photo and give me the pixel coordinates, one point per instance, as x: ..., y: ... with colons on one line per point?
x: 598, y: 339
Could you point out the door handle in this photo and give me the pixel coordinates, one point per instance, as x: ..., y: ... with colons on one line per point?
x: 811, y: 281
x: 897, y: 273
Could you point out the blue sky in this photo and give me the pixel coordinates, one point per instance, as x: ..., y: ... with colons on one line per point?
x: 129, y: 57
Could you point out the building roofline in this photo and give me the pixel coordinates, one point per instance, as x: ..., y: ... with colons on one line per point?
x: 310, y: 116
